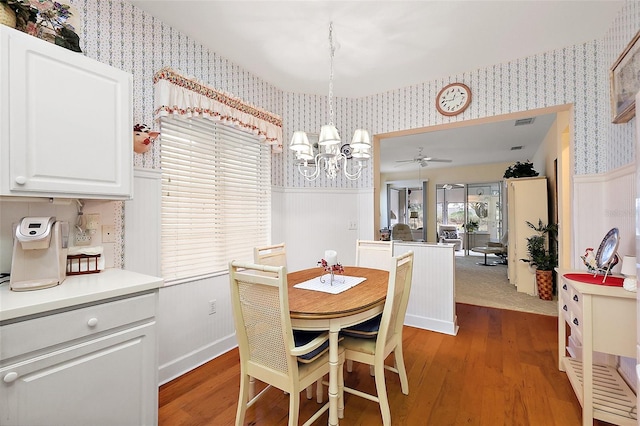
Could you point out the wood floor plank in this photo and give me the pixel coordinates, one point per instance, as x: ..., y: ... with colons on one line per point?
x: 501, y: 369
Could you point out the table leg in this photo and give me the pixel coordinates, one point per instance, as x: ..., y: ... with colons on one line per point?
x: 333, y: 374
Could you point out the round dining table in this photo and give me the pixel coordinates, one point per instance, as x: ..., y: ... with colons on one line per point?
x: 321, y: 311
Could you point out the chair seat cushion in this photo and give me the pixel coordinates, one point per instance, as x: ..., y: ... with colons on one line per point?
x: 367, y: 329
x: 302, y: 337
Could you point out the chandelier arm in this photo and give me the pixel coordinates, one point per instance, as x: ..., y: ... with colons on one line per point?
x: 307, y: 176
x: 351, y: 176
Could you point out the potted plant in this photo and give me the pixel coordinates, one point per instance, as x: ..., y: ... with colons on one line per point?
x: 519, y: 170
x: 543, y: 256
x: 471, y: 226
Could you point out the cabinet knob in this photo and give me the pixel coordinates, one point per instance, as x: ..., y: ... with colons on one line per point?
x: 564, y: 307
x: 21, y: 180
x: 10, y: 377
x: 92, y: 322
x: 564, y: 286
x: 575, y: 297
x: 575, y: 321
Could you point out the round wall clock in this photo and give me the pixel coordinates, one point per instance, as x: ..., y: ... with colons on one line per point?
x: 453, y: 99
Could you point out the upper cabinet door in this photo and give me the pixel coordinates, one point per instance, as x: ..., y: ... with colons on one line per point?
x: 66, y: 124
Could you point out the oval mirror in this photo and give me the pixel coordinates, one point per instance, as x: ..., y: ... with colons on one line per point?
x: 608, y: 247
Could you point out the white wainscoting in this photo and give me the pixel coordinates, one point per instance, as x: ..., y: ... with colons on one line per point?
x: 188, y: 335
x: 142, y: 223
x: 602, y: 202
x: 314, y: 220
x: 432, y: 303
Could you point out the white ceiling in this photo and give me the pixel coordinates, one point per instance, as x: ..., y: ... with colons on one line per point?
x: 385, y: 45
x: 478, y: 144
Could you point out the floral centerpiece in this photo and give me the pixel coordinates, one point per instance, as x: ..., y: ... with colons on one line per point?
x: 45, y: 19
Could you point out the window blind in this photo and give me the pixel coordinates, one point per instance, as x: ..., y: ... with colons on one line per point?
x: 216, y: 197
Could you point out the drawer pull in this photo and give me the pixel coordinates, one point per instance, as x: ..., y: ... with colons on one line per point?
x: 565, y: 307
x: 92, y: 322
x: 564, y: 287
x: 575, y: 297
x: 576, y: 322
x: 21, y: 180
x: 10, y: 377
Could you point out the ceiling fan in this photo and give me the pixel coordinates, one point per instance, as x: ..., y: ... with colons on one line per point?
x: 423, y: 160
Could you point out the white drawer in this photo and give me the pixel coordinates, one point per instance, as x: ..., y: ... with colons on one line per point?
x: 39, y: 333
x: 572, y: 298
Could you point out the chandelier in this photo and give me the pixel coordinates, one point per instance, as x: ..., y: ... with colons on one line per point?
x: 332, y: 158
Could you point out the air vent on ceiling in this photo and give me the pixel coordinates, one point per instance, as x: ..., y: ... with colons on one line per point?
x: 516, y: 148
x: 524, y: 121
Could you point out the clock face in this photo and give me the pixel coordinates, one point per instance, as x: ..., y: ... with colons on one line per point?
x: 453, y: 99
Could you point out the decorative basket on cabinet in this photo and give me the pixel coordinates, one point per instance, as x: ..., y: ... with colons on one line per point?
x: 7, y: 16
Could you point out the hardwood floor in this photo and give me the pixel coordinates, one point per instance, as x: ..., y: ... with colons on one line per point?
x: 501, y: 369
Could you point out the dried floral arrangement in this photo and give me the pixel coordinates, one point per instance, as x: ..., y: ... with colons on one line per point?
x: 45, y: 19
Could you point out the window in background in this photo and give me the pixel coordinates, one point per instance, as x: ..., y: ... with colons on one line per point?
x: 406, y: 205
x: 216, y: 197
x: 484, y: 201
x: 450, y: 204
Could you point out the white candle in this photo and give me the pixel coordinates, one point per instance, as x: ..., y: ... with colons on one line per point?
x: 331, y: 256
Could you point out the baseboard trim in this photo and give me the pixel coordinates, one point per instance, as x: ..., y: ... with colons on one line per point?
x: 177, y: 367
x: 439, y: 326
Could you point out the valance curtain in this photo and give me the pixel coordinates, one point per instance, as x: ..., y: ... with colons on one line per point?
x: 180, y: 96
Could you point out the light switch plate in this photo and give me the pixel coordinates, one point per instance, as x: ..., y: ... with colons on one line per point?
x: 93, y: 221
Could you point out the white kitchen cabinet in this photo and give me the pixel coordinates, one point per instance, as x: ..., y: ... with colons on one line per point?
x: 526, y: 201
x: 94, y: 365
x: 602, y: 319
x: 66, y: 125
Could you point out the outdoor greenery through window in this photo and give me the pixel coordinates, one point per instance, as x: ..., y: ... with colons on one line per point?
x: 216, y: 197
x: 479, y: 203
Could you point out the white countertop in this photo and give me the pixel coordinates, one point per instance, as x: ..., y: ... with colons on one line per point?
x: 74, y: 290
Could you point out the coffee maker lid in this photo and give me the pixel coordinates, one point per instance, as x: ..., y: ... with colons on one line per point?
x: 33, y: 229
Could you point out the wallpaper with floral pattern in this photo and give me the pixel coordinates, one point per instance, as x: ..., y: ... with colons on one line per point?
x: 116, y: 32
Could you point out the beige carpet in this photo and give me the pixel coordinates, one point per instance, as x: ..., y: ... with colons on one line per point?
x: 488, y: 286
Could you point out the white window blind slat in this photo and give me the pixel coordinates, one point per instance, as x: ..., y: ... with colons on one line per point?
x: 216, y: 197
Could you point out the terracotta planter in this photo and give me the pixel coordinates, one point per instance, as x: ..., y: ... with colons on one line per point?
x: 544, y: 279
x: 7, y: 16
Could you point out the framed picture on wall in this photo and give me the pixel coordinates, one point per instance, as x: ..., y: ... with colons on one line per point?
x: 625, y: 82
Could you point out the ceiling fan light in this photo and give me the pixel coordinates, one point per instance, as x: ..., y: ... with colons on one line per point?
x: 329, y: 135
x: 299, y: 141
x: 361, y: 139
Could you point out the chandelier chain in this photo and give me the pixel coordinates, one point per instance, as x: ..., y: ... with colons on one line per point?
x: 332, y: 50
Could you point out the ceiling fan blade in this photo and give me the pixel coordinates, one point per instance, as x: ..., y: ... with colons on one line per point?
x: 403, y: 164
x: 405, y: 161
x: 438, y: 160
